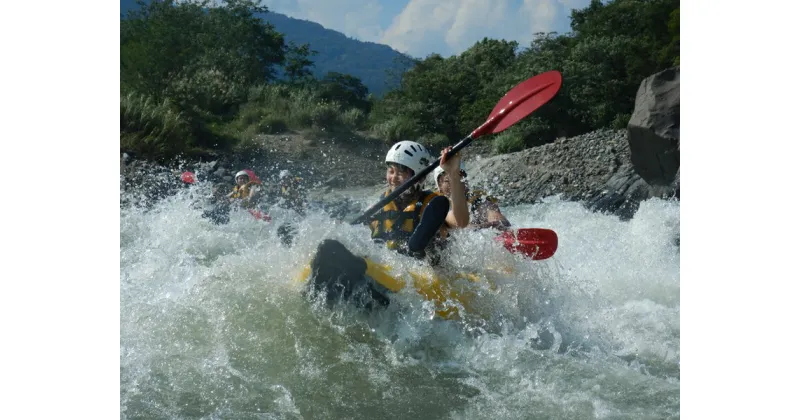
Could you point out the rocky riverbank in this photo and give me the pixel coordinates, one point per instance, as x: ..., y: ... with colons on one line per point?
x: 592, y: 168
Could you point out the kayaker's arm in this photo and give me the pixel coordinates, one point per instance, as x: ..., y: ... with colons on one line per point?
x: 458, y: 216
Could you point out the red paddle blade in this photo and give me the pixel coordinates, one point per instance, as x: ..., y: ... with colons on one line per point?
x: 537, y: 234
x: 520, y: 102
x: 538, y: 244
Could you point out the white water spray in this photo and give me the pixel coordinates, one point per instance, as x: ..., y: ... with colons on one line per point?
x: 213, y: 324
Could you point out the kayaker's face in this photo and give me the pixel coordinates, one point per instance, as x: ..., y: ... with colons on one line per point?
x: 444, y: 184
x: 241, y: 180
x: 396, y: 176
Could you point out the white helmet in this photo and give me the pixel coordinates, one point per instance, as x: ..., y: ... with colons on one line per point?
x: 410, y: 154
x: 438, y: 171
x: 284, y: 174
x: 240, y: 173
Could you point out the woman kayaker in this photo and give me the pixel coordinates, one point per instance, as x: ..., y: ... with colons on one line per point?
x: 409, y: 222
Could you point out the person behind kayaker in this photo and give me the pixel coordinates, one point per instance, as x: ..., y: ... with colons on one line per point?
x: 291, y: 192
x: 483, y: 208
x: 247, y: 191
x: 410, y: 222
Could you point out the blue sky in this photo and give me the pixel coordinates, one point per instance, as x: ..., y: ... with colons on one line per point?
x: 422, y: 27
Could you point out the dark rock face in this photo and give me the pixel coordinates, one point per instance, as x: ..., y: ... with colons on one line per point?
x: 654, y: 128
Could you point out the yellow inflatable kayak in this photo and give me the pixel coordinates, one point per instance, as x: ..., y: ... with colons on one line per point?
x: 338, y: 275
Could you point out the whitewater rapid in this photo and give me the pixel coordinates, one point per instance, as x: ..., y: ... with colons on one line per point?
x: 213, y: 324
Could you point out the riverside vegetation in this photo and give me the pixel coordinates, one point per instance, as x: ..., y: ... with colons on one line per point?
x: 199, y: 81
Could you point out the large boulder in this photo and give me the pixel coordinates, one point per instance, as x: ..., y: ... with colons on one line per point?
x: 654, y: 128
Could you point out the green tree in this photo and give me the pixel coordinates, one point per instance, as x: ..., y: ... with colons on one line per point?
x: 604, y: 77
x: 198, y: 55
x: 673, y: 48
x: 298, y: 63
x: 645, y: 20
x: 345, y: 89
x: 489, y: 59
x: 441, y: 86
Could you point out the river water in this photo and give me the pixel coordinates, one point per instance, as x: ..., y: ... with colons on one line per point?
x: 213, y: 324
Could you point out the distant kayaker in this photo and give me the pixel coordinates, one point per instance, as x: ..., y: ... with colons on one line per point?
x: 410, y: 222
x: 483, y: 208
x: 247, y: 191
x: 291, y: 192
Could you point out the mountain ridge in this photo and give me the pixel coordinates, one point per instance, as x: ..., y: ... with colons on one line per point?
x: 378, y: 66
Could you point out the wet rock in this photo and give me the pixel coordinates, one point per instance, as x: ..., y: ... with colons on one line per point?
x: 654, y: 128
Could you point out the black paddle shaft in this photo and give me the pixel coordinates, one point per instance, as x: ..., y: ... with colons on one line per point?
x: 406, y: 185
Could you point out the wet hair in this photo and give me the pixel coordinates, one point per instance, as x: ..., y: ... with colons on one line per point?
x: 403, y: 168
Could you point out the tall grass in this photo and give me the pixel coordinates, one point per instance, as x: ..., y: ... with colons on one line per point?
x: 274, y: 109
x: 508, y: 142
x: 397, y: 128
x: 151, y: 128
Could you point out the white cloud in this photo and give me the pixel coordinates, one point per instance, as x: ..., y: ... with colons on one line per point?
x: 574, y: 4
x: 474, y: 14
x: 461, y: 23
x: 418, y: 24
x: 355, y: 18
x: 541, y: 13
x: 442, y: 26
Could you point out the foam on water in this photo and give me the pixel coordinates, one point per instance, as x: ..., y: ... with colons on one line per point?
x: 213, y: 324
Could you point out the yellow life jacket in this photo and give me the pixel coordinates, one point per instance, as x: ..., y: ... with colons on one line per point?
x: 394, y: 226
x: 243, y: 192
